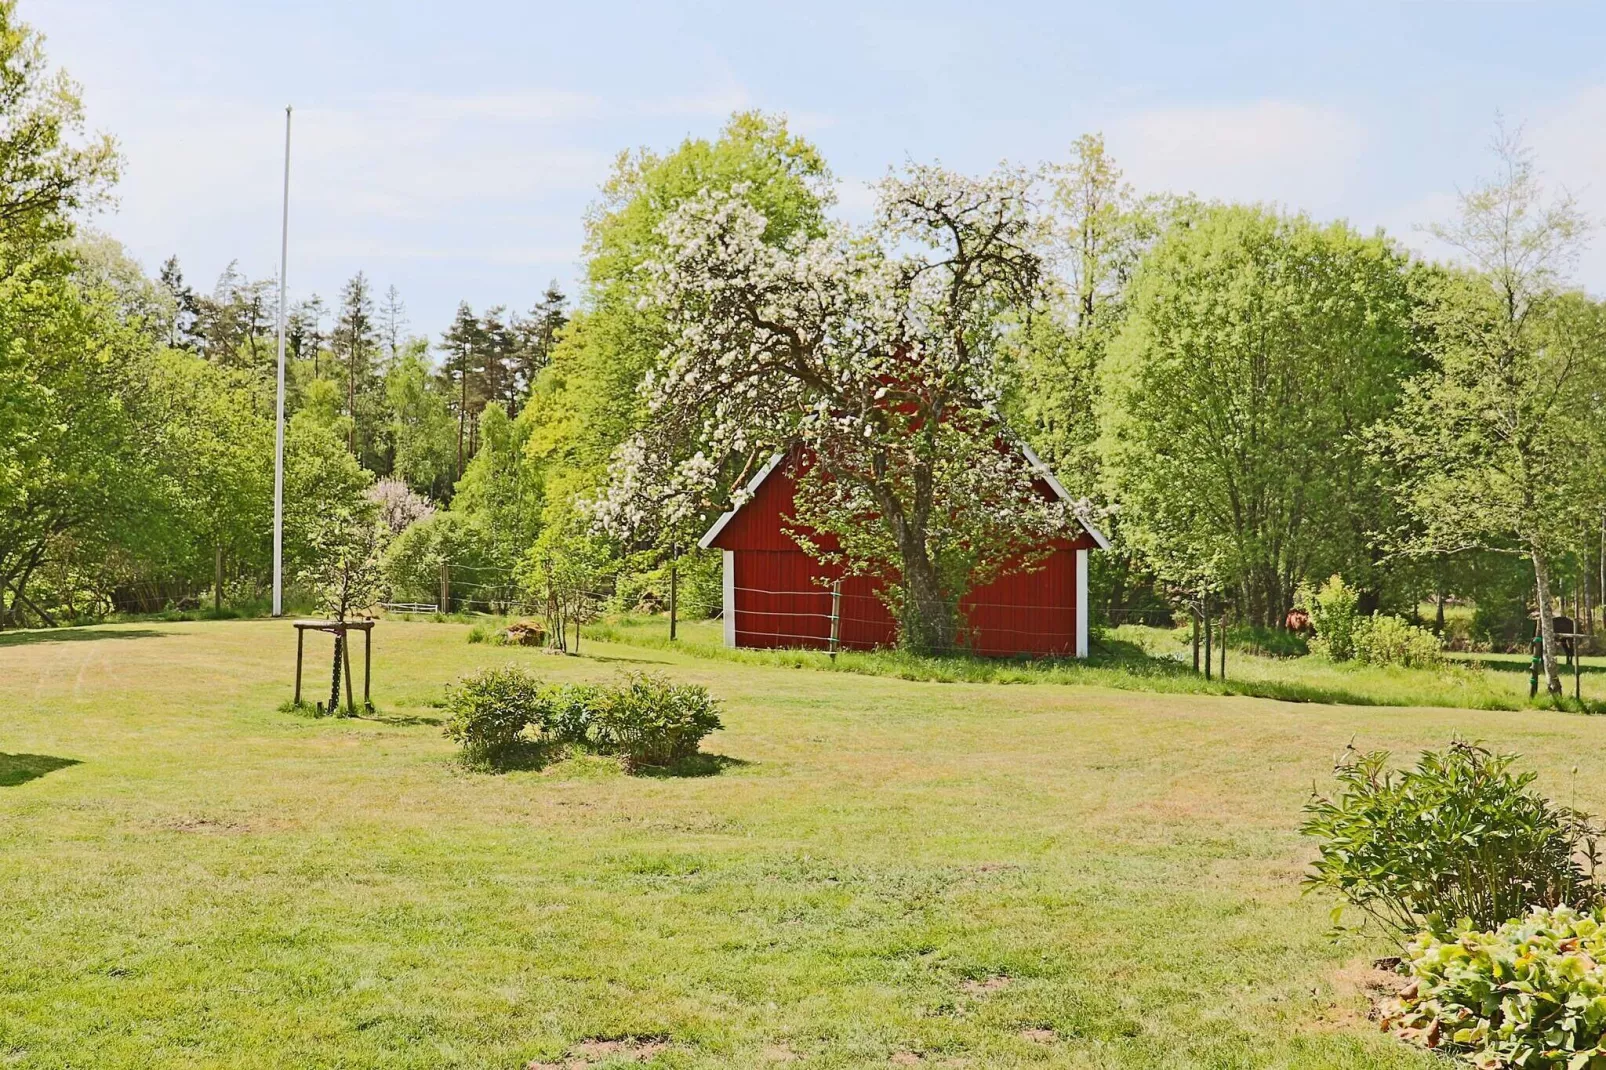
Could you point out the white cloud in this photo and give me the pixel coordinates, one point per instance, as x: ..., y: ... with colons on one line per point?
x: 1270, y: 150
x: 1569, y: 145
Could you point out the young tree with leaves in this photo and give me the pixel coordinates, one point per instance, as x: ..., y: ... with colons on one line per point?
x: 1498, y: 443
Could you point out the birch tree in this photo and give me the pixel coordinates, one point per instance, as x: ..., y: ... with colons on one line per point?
x: 1497, y: 443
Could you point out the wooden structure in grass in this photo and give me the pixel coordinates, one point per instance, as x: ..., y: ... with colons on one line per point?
x: 339, y: 629
x: 778, y: 595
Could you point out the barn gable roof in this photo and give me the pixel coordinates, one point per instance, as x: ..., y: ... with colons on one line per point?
x: 775, y: 462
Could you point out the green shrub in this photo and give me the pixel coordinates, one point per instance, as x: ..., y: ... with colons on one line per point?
x: 563, y: 712
x: 1332, y: 617
x: 1460, y: 838
x: 650, y: 721
x: 1380, y: 640
x: 1530, y: 994
x: 488, y: 711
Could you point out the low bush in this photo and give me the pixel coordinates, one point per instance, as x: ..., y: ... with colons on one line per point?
x: 650, y: 721
x: 644, y: 719
x: 1380, y: 640
x: 1459, y: 839
x: 488, y: 711
x: 1332, y: 616
x: 1530, y: 994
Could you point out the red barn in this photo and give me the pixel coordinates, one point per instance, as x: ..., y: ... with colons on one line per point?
x: 777, y: 595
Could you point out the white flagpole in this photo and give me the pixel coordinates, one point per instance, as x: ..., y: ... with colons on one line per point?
x: 278, y: 436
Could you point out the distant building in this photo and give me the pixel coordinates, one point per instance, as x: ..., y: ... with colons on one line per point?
x: 777, y: 595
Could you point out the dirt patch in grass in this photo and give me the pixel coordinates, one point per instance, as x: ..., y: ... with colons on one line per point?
x: 1039, y: 1035
x: 213, y: 825
x: 986, y: 986
x: 596, y: 1050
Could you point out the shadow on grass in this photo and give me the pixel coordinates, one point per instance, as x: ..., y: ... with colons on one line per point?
x: 402, y: 719
x: 74, y: 635
x: 20, y: 768
x: 697, y: 765
x: 1520, y: 665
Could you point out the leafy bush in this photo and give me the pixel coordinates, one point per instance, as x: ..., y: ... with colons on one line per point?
x: 488, y: 711
x: 1530, y: 994
x: 564, y: 713
x: 1332, y: 617
x: 645, y: 719
x: 1459, y: 838
x: 651, y: 721
x: 1380, y: 640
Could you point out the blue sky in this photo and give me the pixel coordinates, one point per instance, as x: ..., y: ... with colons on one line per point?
x: 450, y: 148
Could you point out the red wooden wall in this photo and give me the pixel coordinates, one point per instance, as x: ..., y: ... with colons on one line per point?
x: 783, y: 596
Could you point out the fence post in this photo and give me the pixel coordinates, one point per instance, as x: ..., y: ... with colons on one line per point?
x: 1205, y: 612
x: 1223, y: 673
x: 674, y: 587
x: 1193, y: 613
x: 446, y: 587
x: 836, y: 617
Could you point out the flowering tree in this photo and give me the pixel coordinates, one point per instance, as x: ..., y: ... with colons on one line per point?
x: 878, y: 352
x: 399, y: 505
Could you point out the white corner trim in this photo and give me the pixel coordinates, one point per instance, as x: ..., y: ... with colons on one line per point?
x: 752, y: 488
x: 1081, y: 603
x: 728, y: 560
x: 1062, y: 494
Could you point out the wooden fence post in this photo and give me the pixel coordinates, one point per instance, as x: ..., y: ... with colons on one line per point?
x: 446, y: 587
x: 836, y: 617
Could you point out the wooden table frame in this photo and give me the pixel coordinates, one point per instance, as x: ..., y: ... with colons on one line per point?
x: 340, y: 628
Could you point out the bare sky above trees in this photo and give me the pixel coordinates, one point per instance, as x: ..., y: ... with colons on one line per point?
x: 451, y: 149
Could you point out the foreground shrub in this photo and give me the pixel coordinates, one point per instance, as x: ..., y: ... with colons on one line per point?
x: 488, y: 710
x: 1530, y: 994
x: 1460, y: 839
x: 650, y: 721
x: 563, y: 713
x: 1380, y: 640
x: 1332, y: 616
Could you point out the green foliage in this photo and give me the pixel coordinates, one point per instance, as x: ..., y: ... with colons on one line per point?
x: 1389, y: 640
x: 1530, y: 994
x: 1332, y: 616
x: 644, y: 719
x: 650, y: 721
x: 487, y: 712
x: 1459, y: 838
x: 1255, y: 346
x: 564, y: 572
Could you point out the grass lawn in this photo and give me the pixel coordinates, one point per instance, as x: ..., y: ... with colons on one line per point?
x: 883, y: 872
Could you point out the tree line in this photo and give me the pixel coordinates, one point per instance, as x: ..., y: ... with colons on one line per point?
x: 1247, y: 399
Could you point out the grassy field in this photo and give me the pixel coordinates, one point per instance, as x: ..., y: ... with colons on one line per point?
x: 880, y: 872
x: 1152, y: 659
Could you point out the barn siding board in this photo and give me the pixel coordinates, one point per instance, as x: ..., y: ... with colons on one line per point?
x: 782, y: 595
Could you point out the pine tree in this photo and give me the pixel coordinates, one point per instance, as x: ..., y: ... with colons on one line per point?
x: 392, y: 323
x: 460, y: 342
x: 536, y: 335
x: 186, y: 308
x: 356, y: 341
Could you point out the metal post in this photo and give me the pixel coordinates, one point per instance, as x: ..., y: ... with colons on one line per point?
x: 278, y: 427
x: 674, y: 587
x: 836, y: 617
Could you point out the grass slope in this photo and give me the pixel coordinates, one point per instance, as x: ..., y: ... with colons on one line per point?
x: 887, y: 872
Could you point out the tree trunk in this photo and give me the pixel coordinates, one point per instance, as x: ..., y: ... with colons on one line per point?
x: 217, y: 580
x: 334, y: 677
x: 928, y: 625
x: 1438, y: 616
x: 1547, y: 624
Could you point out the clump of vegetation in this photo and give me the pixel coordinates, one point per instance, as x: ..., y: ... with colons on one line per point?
x: 651, y: 721
x: 495, y: 714
x: 1531, y: 993
x: 1461, y: 839
x: 488, y: 711
x: 1384, y: 640
x: 1332, y: 616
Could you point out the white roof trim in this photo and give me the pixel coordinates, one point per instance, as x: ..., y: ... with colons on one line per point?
x: 1062, y: 494
x: 752, y: 488
x: 1031, y: 457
